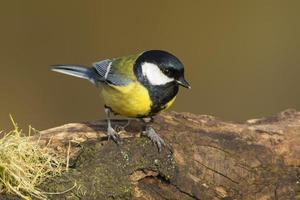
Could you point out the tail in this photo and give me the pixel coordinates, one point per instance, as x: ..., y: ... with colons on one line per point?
x: 78, y: 71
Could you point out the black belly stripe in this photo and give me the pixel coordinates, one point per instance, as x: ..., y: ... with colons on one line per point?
x: 161, y: 95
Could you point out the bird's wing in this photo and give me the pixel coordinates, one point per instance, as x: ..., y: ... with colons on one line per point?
x: 118, y: 71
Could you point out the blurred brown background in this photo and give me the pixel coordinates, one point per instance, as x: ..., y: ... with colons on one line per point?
x: 241, y: 57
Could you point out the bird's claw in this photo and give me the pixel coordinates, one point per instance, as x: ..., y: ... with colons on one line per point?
x: 112, y: 134
x: 154, y: 137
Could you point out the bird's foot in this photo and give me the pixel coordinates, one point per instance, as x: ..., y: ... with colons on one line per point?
x: 154, y: 137
x: 122, y: 128
x: 112, y: 134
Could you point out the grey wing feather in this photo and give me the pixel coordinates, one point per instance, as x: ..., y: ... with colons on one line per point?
x: 102, y: 66
x: 110, y: 75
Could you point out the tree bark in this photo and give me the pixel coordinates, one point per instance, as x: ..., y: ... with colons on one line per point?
x: 205, y: 158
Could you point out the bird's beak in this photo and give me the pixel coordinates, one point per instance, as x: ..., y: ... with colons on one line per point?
x: 181, y: 81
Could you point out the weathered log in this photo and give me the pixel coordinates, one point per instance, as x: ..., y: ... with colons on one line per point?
x: 205, y: 158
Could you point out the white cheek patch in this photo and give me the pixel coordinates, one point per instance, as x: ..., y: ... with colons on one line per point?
x: 154, y: 74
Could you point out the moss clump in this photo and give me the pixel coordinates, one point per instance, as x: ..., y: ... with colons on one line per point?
x: 103, y: 169
x: 24, y: 166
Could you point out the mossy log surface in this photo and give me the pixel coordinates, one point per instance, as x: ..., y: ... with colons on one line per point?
x: 205, y: 158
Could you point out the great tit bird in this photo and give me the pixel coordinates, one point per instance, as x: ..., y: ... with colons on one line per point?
x: 137, y: 86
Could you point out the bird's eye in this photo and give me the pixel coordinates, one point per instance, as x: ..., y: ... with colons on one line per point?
x: 167, y: 71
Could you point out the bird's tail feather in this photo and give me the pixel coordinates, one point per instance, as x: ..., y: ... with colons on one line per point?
x: 78, y: 71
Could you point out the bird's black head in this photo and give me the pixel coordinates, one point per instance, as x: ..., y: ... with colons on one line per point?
x: 160, y: 67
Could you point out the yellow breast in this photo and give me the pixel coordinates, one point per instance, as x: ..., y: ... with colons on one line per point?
x: 131, y: 100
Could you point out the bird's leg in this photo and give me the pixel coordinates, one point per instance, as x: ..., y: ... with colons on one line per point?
x: 122, y: 127
x: 151, y: 133
x: 111, y: 133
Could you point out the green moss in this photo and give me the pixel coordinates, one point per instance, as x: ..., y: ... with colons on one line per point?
x: 103, y: 168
